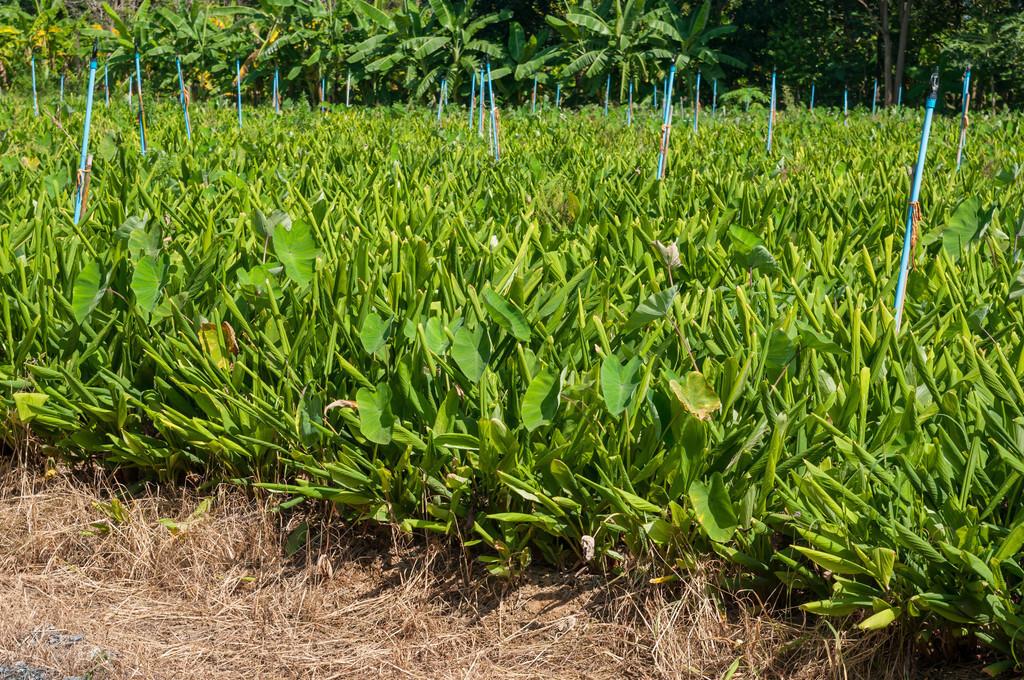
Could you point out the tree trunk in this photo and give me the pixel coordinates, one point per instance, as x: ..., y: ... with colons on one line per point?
x: 886, y: 52
x: 901, y: 49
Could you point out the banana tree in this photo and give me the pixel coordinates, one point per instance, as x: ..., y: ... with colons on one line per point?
x: 612, y: 36
x: 465, y: 51
x: 526, y: 58
x: 399, y: 45
x: 688, y: 38
x: 206, y: 37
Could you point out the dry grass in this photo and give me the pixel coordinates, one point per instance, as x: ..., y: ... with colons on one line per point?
x: 219, y: 600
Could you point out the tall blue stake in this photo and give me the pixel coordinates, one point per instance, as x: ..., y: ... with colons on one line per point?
x: 440, y: 101
x: 714, y: 96
x: 83, y: 159
x: 533, y: 98
x: 846, y: 105
x: 62, y: 89
x: 874, y: 97
x: 913, y: 209
x: 812, y: 95
x: 654, y: 96
x: 106, y: 85
x: 965, y: 96
x: 607, y: 92
x: 141, y: 108
x: 771, y: 114
x: 696, y: 102
x: 558, y: 96
x: 483, y: 105
x: 277, y: 91
x: 494, y: 115
x: 472, y: 100
x: 666, y: 126
x: 181, y: 97
x: 899, y: 96
x: 35, y: 98
x: 238, y: 90
x: 323, y: 95
x: 629, y: 111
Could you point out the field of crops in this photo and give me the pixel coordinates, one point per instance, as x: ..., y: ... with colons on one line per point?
x: 553, y: 357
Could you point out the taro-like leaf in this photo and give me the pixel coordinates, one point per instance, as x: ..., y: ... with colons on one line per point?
x: 967, y: 223
x: 374, y: 332
x: 437, y: 340
x: 654, y: 307
x: 27, y: 404
x: 148, y: 281
x: 696, y: 395
x: 375, y: 417
x: 713, y: 508
x: 505, y: 314
x: 88, y: 291
x: 618, y: 381
x: 540, y: 403
x: 471, y: 351
x: 296, y: 250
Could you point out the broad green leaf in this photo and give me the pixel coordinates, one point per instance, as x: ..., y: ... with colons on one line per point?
x: 505, y: 314
x: 296, y: 250
x: 964, y: 226
x: 27, y: 404
x: 148, y: 281
x: 540, y: 403
x: 375, y: 418
x: 471, y: 352
x: 714, y: 509
x: 374, y: 332
x: 88, y: 291
x: 618, y: 382
x: 654, y: 307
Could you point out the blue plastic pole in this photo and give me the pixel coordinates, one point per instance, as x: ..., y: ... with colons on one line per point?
x: 771, y: 114
x: 440, y: 101
x: 812, y: 96
x: 85, y: 135
x: 238, y: 90
x: 472, y: 100
x: 915, y: 192
x: 899, y: 96
x: 714, y: 96
x: 348, y: 89
x: 965, y: 97
x: 558, y: 96
x: 629, y: 111
x: 483, y: 105
x: 665, y: 125
x: 494, y: 115
x: 846, y: 105
x: 607, y: 92
x: 696, y: 102
x: 106, y: 85
x: 533, y: 98
x: 874, y: 98
x: 62, y: 89
x: 35, y: 98
x: 141, y: 109
x: 323, y: 95
x: 181, y: 97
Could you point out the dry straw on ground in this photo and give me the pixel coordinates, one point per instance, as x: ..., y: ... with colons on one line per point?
x: 217, y: 599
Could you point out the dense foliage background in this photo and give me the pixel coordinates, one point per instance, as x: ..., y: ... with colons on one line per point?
x: 388, y: 50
